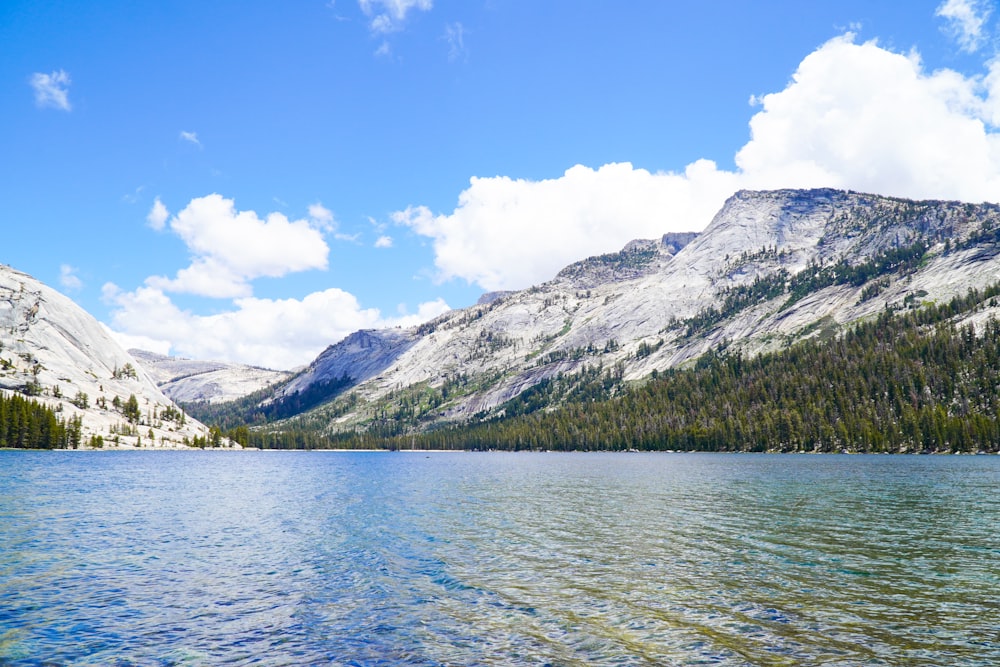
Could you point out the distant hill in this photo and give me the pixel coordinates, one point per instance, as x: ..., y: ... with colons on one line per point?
x: 191, y: 381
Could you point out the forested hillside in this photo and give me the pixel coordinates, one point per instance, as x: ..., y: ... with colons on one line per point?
x: 27, y: 424
x: 904, y: 381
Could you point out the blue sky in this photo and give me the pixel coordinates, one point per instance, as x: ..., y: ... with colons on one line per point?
x: 251, y: 181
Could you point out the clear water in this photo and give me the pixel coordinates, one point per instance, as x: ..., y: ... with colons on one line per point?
x: 310, y: 558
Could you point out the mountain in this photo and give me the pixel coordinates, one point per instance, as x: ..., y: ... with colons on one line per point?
x: 191, y: 381
x: 904, y: 381
x: 771, y: 268
x: 56, y: 353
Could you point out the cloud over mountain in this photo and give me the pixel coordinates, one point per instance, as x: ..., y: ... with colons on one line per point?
x: 230, y: 249
x: 856, y: 116
x: 510, y: 233
x: 273, y: 333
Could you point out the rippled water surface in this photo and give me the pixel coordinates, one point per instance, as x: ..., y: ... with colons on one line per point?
x: 309, y: 558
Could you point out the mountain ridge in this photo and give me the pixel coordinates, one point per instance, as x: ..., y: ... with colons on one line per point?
x: 190, y: 381
x: 774, y: 266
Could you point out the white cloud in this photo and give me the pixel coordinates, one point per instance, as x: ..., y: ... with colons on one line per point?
x: 51, y: 90
x: 991, y: 103
x: 190, y: 137
x: 383, y: 242
x: 508, y: 234
x: 68, y: 277
x: 454, y: 34
x: 966, y: 22
x: 390, y: 15
x: 859, y: 116
x: 158, y: 215
x: 322, y: 217
x: 231, y: 248
x: 275, y: 333
x: 854, y: 116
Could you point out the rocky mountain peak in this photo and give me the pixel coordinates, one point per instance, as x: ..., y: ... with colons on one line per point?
x: 362, y: 355
x: 639, y: 257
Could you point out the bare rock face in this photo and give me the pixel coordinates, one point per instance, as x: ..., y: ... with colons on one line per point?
x: 361, y: 356
x: 53, y: 351
x: 674, y: 242
x: 638, y: 258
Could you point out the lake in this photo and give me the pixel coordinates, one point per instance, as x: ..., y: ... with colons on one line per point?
x: 350, y: 558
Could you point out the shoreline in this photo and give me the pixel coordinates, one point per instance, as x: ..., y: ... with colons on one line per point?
x: 498, y: 451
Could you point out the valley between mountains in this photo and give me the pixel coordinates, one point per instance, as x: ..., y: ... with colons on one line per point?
x: 771, y: 271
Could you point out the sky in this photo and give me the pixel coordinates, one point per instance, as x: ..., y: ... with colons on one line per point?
x: 252, y: 181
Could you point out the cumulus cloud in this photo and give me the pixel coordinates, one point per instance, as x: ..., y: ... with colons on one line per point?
x: 383, y: 242
x: 508, y: 234
x: 274, y: 333
x: 51, y: 90
x: 966, y: 22
x: 158, y: 215
x: 389, y: 15
x: 68, y: 277
x: 854, y: 116
x: 862, y: 117
x: 230, y: 248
